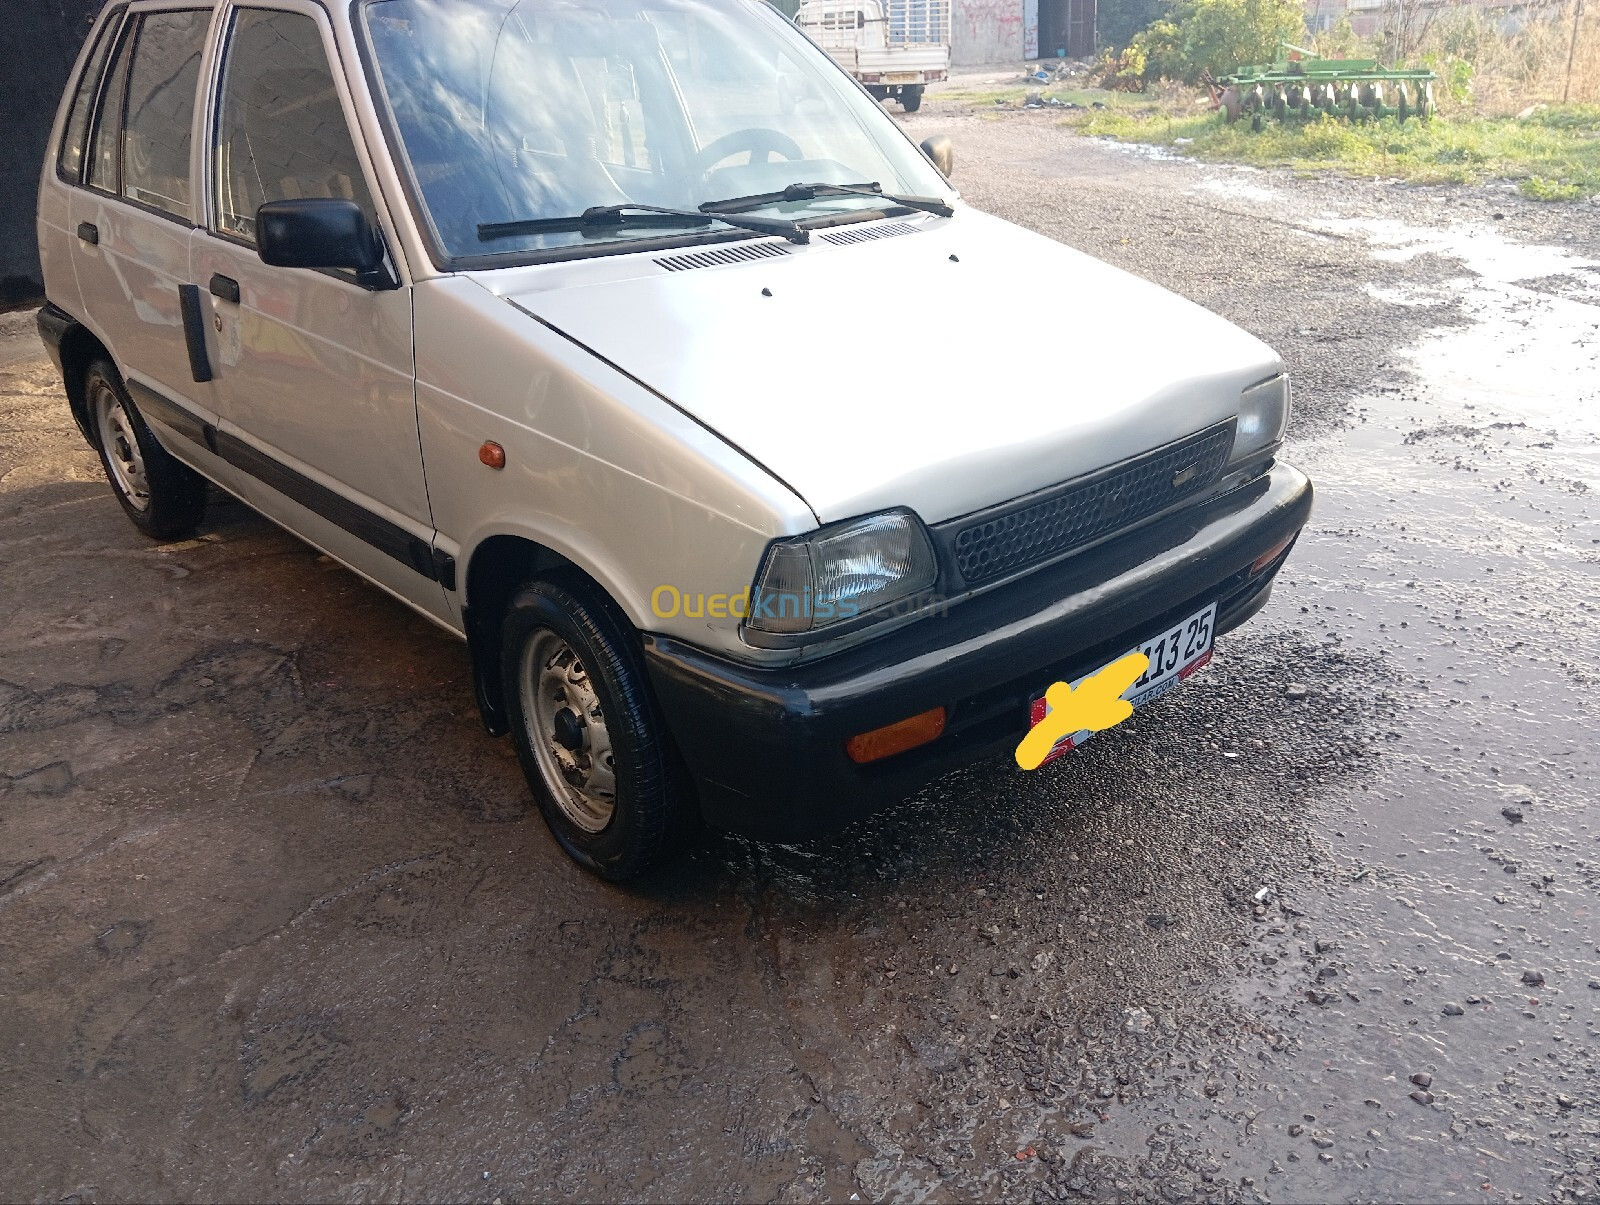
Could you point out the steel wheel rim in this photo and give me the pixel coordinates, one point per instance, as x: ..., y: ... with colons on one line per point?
x: 126, y: 461
x: 566, y: 729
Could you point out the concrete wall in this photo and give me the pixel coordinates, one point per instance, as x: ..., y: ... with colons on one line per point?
x: 986, y: 31
x: 37, y: 49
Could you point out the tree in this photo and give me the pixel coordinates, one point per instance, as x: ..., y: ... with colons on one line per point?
x: 1118, y: 21
x: 1218, y: 36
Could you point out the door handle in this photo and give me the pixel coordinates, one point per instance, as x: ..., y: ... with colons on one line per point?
x: 225, y: 287
x: 89, y: 233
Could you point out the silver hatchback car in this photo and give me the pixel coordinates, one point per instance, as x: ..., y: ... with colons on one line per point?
x: 547, y: 317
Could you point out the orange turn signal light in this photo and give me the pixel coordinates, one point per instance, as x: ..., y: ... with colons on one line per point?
x: 896, y: 737
x: 492, y: 454
x: 1271, y: 554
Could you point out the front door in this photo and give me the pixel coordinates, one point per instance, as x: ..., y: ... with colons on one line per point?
x: 313, y: 370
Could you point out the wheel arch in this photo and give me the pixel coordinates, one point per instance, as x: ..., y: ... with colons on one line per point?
x: 498, y: 566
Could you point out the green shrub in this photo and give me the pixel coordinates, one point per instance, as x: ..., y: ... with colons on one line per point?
x: 1217, y: 36
x: 1541, y: 189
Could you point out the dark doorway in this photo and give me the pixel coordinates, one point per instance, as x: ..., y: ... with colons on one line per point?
x: 1066, y: 25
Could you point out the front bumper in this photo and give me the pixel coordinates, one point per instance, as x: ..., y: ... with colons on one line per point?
x: 766, y: 746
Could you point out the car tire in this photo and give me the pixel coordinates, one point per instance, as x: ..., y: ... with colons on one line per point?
x: 164, y: 497
x: 911, y: 97
x: 588, y: 732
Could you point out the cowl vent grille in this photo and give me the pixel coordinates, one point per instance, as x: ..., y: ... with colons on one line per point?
x: 865, y: 234
x: 737, y: 253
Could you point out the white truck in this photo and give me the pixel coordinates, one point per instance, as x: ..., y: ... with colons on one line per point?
x: 896, y: 48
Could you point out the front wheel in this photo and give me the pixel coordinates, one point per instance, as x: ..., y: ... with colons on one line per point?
x: 590, y: 739
x: 164, y: 497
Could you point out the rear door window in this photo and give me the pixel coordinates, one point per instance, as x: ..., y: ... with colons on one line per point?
x: 106, y: 136
x: 160, y: 109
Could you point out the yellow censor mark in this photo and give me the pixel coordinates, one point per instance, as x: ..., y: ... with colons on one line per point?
x: 1096, y: 705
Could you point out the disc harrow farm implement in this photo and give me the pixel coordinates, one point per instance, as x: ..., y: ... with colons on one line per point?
x: 1302, y: 86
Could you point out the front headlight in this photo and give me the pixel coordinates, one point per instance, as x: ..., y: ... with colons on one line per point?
x: 1263, y: 414
x: 835, y: 574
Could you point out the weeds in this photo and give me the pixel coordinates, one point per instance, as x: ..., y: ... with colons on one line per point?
x: 1553, y: 155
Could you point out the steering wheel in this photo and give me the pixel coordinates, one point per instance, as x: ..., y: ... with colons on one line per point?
x: 754, y: 141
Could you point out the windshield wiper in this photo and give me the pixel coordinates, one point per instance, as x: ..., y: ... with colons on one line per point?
x: 807, y: 192
x: 644, y: 215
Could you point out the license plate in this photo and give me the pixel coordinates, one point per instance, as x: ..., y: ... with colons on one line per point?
x: 1174, y: 654
x: 900, y: 77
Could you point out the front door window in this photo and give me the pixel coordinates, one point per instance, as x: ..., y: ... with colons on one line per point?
x: 281, y: 132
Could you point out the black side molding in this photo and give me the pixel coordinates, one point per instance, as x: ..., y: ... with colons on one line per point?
x: 444, y: 569
x: 194, y: 331
x: 387, y: 537
x: 170, y: 414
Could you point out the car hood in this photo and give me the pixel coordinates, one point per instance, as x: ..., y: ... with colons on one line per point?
x: 940, y: 364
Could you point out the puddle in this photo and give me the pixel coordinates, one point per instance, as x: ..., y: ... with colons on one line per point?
x: 1531, y: 344
x: 1456, y: 536
x: 1236, y: 189
x: 1486, y: 253
x: 1144, y: 150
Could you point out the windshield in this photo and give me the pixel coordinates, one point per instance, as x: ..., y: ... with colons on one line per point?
x: 514, y: 110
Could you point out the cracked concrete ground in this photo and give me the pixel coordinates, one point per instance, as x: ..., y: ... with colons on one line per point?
x: 277, y: 920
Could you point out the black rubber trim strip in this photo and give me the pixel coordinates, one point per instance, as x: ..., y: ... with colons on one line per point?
x: 194, y: 332
x: 170, y: 414
x: 444, y: 569
x: 388, y: 538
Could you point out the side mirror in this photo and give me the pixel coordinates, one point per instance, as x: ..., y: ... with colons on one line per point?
x: 941, y: 153
x: 317, y: 232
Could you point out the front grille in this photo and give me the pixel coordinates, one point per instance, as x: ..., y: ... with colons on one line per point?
x: 1026, y: 531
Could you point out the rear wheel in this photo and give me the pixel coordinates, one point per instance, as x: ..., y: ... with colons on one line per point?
x: 164, y: 497
x: 590, y: 739
x: 911, y: 97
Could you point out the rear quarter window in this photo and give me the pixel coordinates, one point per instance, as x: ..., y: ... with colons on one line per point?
x: 69, y: 159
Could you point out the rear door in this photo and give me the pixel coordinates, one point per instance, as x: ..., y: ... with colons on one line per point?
x: 314, y: 370
x: 135, y: 208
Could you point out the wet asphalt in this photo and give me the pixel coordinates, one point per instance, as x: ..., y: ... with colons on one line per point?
x: 277, y: 920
